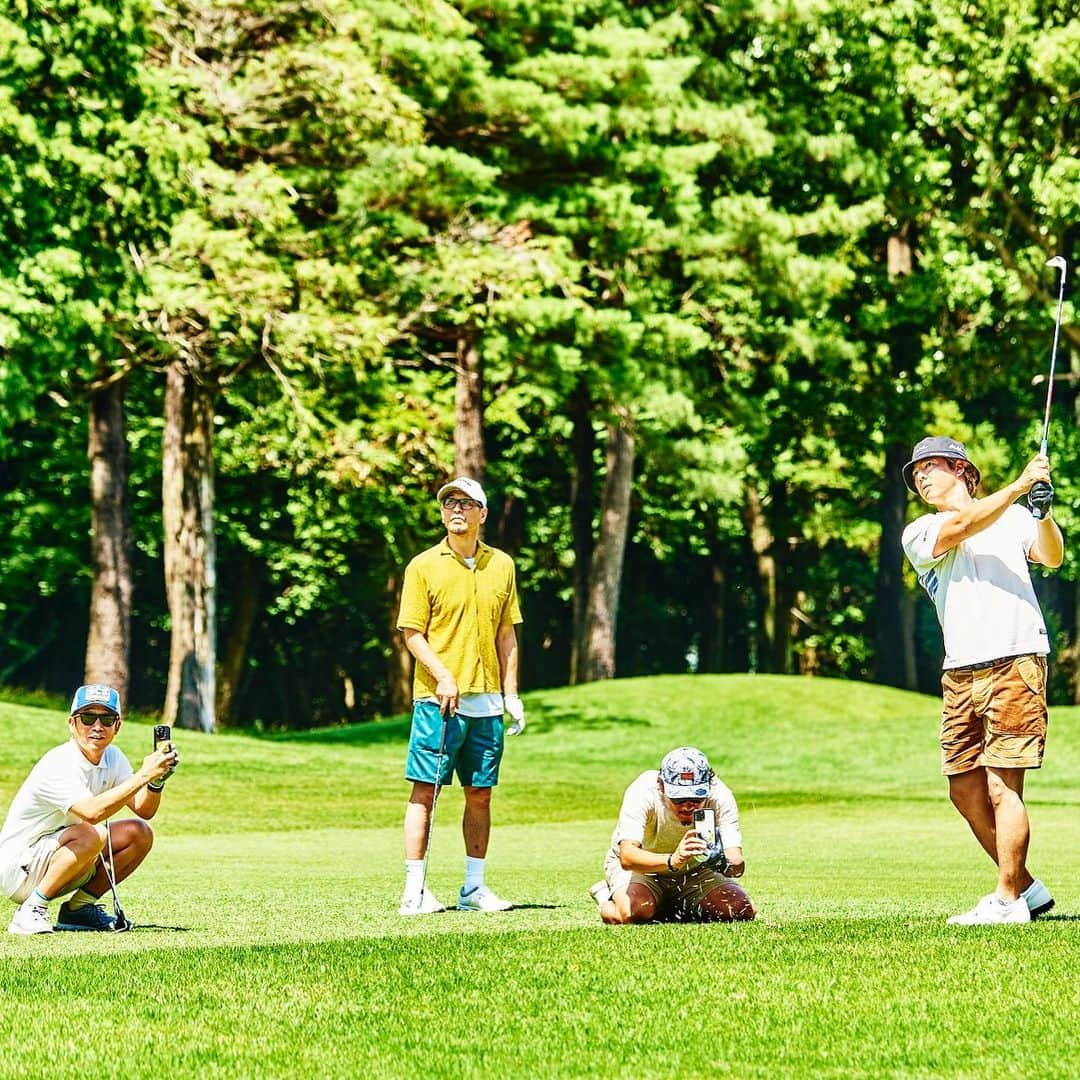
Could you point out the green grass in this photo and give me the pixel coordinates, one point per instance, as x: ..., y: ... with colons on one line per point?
x: 269, y: 944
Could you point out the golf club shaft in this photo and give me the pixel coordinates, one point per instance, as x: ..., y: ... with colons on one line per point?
x: 110, y: 873
x: 1059, y: 263
x: 434, y: 801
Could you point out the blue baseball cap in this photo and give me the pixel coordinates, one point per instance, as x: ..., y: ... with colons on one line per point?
x: 685, y: 774
x: 95, y: 694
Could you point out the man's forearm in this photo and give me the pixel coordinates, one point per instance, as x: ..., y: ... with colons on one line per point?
x: 421, y: 649
x: 1049, y: 547
x: 506, y: 649
x: 102, y: 807
x: 976, y: 517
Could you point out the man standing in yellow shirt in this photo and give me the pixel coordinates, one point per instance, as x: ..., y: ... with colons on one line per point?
x: 459, y: 608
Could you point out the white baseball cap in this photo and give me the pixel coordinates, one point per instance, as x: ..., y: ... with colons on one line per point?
x: 466, y: 487
x: 685, y: 774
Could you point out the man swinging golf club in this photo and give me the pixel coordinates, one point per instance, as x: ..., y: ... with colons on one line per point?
x: 458, y: 611
x: 972, y: 558
x: 57, y: 839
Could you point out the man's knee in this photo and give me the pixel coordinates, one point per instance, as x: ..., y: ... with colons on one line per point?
x: 478, y: 797
x: 141, y: 836
x: 84, y: 840
x: 635, y: 909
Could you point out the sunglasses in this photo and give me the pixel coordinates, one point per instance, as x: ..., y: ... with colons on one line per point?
x: 686, y: 802
x: 89, y: 719
x: 461, y: 504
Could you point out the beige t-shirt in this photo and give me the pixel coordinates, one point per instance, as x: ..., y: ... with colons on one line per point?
x: 645, y: 819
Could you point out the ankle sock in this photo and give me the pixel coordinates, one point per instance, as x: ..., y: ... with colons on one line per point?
x: 474, y: 874
x: 414, y: 876
x: 80, y: 899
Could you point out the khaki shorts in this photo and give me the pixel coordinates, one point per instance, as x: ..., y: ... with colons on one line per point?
x: 32, y: 867
x: 673, y: 893
x: 994, y: 715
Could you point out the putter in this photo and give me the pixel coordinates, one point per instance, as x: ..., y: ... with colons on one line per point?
x: 434, y: 803
x: 122, y: 923
x: 1059, y: 264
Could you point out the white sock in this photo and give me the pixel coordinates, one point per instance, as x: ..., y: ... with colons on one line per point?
x: 414, y: 876
x: 36, y: 899
x: 474, y: 874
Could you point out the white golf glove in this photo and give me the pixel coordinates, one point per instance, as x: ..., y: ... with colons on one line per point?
x: 513, y: 708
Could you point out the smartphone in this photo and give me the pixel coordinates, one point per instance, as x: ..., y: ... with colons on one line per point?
x: 705, y: 824
x: 162, y: 737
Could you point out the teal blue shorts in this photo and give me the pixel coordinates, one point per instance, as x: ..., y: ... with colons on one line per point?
x: 474, y: 747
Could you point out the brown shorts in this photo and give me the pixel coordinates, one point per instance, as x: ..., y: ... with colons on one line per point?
x: 994, y: 715
x: 673, y: 893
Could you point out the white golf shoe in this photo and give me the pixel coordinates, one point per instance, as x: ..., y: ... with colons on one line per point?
x: 601, y: 892
x: 30, y: 919
x: 992, y: 911
x: 1037, y: 897
x: 481, y: 899
x: 423, y: 903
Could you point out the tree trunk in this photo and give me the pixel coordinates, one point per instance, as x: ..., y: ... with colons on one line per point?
x: 108, y: 646
x: 582, y: 507
x: 469, y: 458
x: 245, y: 592
x: 761, y: 545
x: 894, y: 630
x: 597, y: 660
x: 400, y: 662
x: 712, y: 656
x: 187, y: 513
x: 895, y: 642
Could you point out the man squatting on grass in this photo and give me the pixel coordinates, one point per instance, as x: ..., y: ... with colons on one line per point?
x: 458, y: 611
x: 972, y: 558
x: 56, y: 828
x: 658, y: 866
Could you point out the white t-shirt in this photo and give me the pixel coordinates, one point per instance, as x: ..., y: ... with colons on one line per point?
x: 981, y: 588
x: 41, y: 806
x: 646, y: 820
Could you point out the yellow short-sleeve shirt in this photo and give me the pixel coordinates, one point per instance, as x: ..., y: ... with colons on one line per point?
x: 460, y: 611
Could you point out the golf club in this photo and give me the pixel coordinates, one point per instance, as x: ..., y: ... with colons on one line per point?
x: 1042, y: 489
x: 122, y: 922
x: 434, y: 802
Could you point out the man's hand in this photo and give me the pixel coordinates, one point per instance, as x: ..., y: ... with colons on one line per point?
x: 1036, y: 471
x: 690, y: 852
x: 514, y: 708
x: 717, y: 859
x: 159, y: 766
x: 1040, y: 498
x: 447, y: 692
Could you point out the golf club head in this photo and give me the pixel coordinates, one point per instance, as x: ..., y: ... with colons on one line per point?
x: 123, y: 923
x: 1058, y: 262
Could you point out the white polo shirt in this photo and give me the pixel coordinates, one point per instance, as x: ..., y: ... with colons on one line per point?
x: 981, y: 588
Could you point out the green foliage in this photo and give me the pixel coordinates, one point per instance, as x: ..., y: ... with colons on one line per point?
x: 685, y: 210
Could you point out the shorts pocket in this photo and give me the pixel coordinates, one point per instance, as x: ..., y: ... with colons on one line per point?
x: 1032, y: 669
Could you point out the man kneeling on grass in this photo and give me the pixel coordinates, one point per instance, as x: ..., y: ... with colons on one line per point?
x: 58, y: 827
x: 663, y: 864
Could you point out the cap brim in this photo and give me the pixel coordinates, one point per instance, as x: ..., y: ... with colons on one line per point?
x: 908, y: 471
x: 680, y: 791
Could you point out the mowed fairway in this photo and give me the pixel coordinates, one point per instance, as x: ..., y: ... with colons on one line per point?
x: 268, y: 943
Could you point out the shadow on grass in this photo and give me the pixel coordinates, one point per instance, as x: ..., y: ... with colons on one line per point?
x: 541, y: 718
